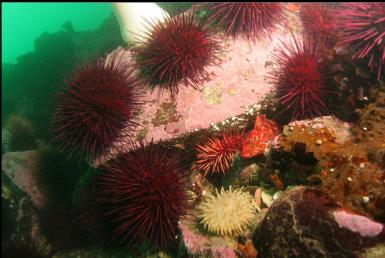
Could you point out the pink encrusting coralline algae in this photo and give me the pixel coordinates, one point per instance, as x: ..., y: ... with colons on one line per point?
x: 237, y: 82
x: 198, y: 244
x: 357, y: 223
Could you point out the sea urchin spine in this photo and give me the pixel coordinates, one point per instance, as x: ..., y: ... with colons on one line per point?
x: 318, y: 21
x: 252, y: 20
x: 98, y: 107
x: 142, y: 195
x: 175, y: 51
x: 363, y: 26
x: 300, y: 79
x: 218, y: 153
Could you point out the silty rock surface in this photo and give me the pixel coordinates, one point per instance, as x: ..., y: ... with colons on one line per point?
x: 17, y: 209
x: 19, y: 167
x: 305, y: 222
x: 340, y: 129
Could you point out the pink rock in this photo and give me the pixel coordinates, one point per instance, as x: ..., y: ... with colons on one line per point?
x: 357, y: 223
x: 238, y: 82
x: 19, y: 167
x: 202, y: 245
x: 194, y: 242
x: 308, y: 222
x: 224, y: 252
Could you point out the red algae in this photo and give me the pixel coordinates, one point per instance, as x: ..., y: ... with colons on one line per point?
x: 258, y: 139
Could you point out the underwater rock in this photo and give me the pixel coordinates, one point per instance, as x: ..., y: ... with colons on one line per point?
x: 306, y: 222
x: 198, y: 244
x: 240, y: 76
x: 340, y: 129
x: 377, y: 251
x: 19, y: 167
x: 16, y: 209
x: 349, y: 169
x: 372, y: 117
x: 250, y: 173
x: 16, y: 249
x: 360, y: 186
x: 357, y: 223
x: 21, y: 135
x: 95, y: 251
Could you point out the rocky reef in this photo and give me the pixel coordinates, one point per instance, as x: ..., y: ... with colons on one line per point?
x: 350, y: 158
x: 306, y: 222
x: 32, y: 95
x: 223, y: 169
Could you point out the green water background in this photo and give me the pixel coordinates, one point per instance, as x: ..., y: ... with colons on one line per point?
x: 22, y: 23
x: 43, y: 43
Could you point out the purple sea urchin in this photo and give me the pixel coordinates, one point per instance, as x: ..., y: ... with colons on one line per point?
x: 21, y: 134
x: 300, y: 79
x: 141, y: 196
x: 362, y: 25
x: 252, y: 20
x: 176, y: 51
x: 318, y: 21
x: 98, y: 107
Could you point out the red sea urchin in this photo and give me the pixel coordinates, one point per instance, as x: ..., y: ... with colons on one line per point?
x: 362, y: 25
x: 176, y: 51
x: 318, y: 21
x: 142, y: 194
x: 218, y: 153
x: 252, y: 20
x: 98, y: 107
x: 300, y: 79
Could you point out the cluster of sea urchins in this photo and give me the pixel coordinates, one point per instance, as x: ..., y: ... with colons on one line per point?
x: 301, y: 79
x: 98, y: 107
x: 362, y: 25
x: 250, y: 20
x: 140, y: 196
x: 177, y: 51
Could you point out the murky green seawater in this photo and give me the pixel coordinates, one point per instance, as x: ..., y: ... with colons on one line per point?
x: 22, y: 23
x: 276, y: 151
